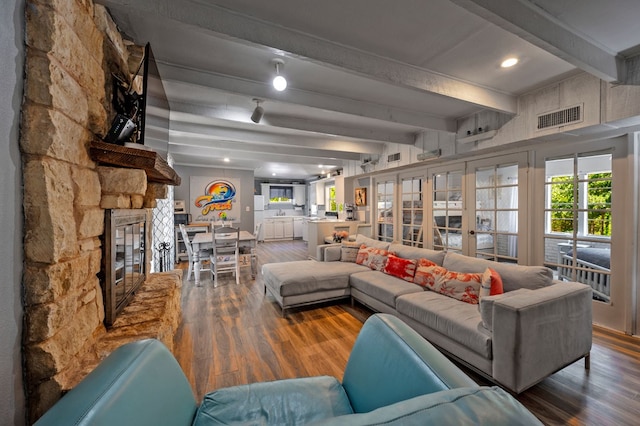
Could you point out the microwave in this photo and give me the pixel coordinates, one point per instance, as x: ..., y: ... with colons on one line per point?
x: 181, y: 218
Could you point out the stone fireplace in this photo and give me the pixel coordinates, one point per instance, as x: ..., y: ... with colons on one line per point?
x: 72, y: 49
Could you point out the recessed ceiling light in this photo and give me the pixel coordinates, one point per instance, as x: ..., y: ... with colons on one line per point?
x: 509, y: 62
x: 319, y: 166
x: 226, y: 159
x: 273, y: 174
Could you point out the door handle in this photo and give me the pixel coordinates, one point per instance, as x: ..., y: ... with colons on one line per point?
x: 472, y: 232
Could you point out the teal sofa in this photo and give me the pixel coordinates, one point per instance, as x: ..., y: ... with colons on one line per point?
x: 393, y: 376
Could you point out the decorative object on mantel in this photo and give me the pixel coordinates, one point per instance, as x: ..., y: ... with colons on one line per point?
x: 156, y: 168
x: 338, y: 236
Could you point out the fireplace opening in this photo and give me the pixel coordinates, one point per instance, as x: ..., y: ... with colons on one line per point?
x: 124, y: 258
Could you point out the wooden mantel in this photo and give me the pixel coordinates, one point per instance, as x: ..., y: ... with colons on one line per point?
x: 156, y: 168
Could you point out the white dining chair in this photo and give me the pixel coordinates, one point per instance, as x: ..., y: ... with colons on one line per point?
x: 226, y: 252
x: 191, y: 258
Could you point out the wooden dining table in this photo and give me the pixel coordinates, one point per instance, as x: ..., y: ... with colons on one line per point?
x: 204, y: 240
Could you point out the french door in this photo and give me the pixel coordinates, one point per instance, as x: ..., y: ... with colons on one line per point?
x: 411, y: 210
x: 385, y: 205
x: 498, y: 189
x: 476, y: 207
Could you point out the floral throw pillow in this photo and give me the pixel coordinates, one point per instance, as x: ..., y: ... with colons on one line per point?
x: 459, y: 285
x: 424, y: 273
x: 372, y: 257
x: 401, y: 268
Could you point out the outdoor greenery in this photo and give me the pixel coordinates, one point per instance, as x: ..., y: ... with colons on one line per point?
x: 564, y: 204
x: 333, y: 206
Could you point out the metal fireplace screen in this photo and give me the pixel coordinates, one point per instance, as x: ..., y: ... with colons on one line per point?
x: 124, y: 259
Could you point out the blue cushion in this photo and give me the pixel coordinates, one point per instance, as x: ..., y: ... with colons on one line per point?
x: 293, y: 401
x: 140, y: 383
x: 461, y: 406
x: 391, y: 362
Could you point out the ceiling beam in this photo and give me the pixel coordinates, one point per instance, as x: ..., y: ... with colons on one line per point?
x: 299, y: 44
x: 216, y: 146
x: 180, y: 80
x: 533, y: 24
x: 214, y: 132
x: 241, y: 115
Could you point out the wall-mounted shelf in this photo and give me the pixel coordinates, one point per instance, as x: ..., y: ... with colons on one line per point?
x: 478, y: 137
x: 156, y: 168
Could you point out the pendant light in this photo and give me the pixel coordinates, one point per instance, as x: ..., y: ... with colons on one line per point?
x: 279, y: 82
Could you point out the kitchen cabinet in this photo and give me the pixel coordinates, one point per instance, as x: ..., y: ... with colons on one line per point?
x: 319, y: 193
x: 299, y: 195
x: 280, y: 228
x: 297, y: 227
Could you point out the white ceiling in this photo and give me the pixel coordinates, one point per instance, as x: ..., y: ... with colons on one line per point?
x: 361, y: 73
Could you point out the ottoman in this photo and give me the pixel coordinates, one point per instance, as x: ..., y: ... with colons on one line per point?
x: 305, y: 282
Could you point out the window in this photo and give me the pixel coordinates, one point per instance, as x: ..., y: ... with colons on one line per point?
x: 332, y: 206
x: 578, y: 220
x: 280, y: 194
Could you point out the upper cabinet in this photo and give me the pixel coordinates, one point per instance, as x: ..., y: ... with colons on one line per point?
x: 319, y: 193
x: 299, y: 195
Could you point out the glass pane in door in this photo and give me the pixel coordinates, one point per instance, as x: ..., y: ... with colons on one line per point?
x: 385, y: 210
x: 412, y: 211
x: 447, y: 210
x: 495, y: 233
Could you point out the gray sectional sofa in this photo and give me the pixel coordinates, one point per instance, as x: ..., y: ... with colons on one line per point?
x: 516, y: 339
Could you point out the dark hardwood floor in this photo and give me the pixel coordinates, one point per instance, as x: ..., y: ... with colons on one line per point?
x: 234, y: 334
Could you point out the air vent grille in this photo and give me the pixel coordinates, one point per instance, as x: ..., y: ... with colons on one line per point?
x: 393, y: 157
x: 560, y: 118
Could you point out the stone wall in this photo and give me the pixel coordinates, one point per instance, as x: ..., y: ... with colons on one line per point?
x: 72, y: 48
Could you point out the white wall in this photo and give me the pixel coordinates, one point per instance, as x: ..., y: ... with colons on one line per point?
x: 11, y: 73
x: 246, y: 189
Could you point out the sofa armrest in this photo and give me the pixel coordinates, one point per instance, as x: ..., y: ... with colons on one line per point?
x: 538, y: 332
x: 139, y: 383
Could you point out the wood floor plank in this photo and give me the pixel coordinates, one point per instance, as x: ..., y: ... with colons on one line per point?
x: 235, y: 334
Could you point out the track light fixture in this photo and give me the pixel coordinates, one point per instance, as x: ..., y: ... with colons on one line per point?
x: 279, y: 82
x: 258, y: 112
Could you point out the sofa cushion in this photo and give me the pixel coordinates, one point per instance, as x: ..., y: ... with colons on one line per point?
x: 382, y: 287
x: 292, y: 401
x: 401, y: 268
x: 408, y: 252
x: 349, y: 252
x: 513, y: 276
x: 459, y: 321
x: 460, y: 406
x: 307, y: 276
x: 486, y: 306
x: 374, y: 258
x: 370, y: 242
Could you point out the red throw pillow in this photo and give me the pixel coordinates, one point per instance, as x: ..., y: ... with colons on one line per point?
x: 491, y: 283
x: 401, y: 268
